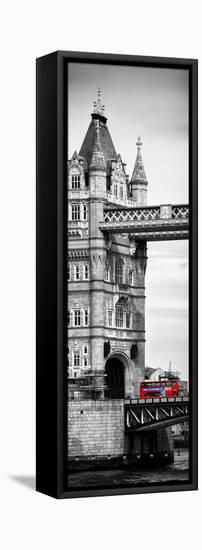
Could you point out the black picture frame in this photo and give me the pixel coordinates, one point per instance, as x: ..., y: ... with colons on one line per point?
x: 51, y: 424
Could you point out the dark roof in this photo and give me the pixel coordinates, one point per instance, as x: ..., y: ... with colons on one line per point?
x: 106, y: 142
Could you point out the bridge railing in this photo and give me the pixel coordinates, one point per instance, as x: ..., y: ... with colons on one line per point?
x: 147, y: 214
x: 156, y: 400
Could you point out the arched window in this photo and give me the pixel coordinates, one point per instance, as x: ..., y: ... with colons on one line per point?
x: 119, y: 272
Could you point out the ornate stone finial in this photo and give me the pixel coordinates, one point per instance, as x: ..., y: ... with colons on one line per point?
x: 98, y: 107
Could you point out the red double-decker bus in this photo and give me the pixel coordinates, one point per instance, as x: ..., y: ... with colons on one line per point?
x: 159, y: 388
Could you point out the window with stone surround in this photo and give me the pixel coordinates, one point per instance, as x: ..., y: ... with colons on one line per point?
x: 86, y: 317
x: 128, y: 319
x: 69, y: 318
x: 107, y: 273
x: 85, y: 349
x: 77, y: 272
x: 76, y: 212
x: 77, y: 360
x: 85, y: 212
x: 68, y: 273
x: 119, y: 316
x: 76, y: 180
x: 110, y: 317
x: 77, y: 317
x: 119, y: 272
x: 130, y: 277
x: 121, y: 191
x: 86, y: 271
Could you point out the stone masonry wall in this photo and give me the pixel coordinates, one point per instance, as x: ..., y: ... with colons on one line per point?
x: 95, y: 428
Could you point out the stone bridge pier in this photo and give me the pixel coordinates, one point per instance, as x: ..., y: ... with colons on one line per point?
x: 97, y: 437
x: 153, y: 448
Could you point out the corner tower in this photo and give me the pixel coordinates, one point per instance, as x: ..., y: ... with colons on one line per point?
x: 139, y: 181
x: 106, y: 273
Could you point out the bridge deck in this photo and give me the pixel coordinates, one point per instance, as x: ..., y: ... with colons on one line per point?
x: 154, y: 413
x: 165, y: 222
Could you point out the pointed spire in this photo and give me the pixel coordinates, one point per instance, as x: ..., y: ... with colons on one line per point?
x: 98, y: 160
x: 75, y: 155
x: 98, y: 107
x: 139, y: 171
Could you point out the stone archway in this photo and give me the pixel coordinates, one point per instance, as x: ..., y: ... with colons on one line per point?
x: 117, y: 368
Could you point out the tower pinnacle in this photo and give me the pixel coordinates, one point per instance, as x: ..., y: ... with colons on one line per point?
x: 139, y: 181
x: 139, y: 171
x: 98, y: 160
x: 139, y: 143
x: 98, y: 106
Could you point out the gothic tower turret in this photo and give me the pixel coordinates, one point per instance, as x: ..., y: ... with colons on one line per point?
x: 139, y: 181
x: 106, y: 274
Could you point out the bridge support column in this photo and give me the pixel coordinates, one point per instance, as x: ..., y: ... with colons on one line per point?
x: 153, y: 448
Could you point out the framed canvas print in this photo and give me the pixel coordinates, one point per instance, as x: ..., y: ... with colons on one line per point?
x: 116, y: 274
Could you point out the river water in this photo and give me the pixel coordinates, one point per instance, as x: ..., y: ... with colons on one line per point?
x: 178, y: 471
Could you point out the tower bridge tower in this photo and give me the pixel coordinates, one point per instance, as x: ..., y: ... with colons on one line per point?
x: 106, y: 275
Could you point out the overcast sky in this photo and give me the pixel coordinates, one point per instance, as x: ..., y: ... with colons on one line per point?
x: 154, y: 104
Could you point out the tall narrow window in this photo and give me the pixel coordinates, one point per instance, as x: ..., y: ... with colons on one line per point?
x: 115, y: 190
x: 85, y: 349
x: 121, y: 191
x: 86, y: 317
x: 68, y: 273
x: 85, y: 361
x: 86, y: 271
x: 76, y: 359
x: 69, y: 318
x: 77, y: 272
x: 77, y: 317
x: 119, y: 316
x: 127, y: 319
x: 76, y: 212
x: 110, y: 317
x: 85, y: 212
x: 76, y: 182
x: 130, y: 277
x: 107, y: 273
x: 119, y: 272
